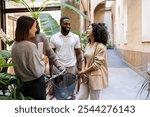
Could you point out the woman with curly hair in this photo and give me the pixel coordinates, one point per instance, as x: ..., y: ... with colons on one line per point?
x: 94, y: 72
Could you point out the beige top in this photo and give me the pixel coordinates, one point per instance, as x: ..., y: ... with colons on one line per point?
x: 98, y: 79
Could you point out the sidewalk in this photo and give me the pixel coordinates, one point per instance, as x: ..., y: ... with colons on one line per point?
x: 124, y: 83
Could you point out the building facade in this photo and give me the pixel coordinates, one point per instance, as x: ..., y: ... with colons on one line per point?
x: 131, y: 33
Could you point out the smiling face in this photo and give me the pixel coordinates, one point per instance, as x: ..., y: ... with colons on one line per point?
x: 32, y: 30
x: 89, y: 32
x: 65, y: 26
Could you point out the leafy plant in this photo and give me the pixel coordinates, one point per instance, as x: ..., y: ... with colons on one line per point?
x: 13, y: 85
x: 48, y: 24
x: 34, y: 13
x: 4, y: 56
x: 65, y: 5
x: 109, y: 45
x: 8, y: 82
x: 5, y: 39
x: 145, y: 87
x: 84, y: 40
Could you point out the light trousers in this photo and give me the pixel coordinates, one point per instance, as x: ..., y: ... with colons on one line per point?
x: 85, y: 93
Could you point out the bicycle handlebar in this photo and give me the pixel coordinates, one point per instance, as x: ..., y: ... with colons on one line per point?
x: 54, y: 76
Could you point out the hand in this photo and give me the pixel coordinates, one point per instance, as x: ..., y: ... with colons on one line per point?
x: 61, y: 68
x: 45, y: 59
x: 81, y: 73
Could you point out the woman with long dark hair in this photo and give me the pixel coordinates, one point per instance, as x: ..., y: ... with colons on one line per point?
x: 30, y: 65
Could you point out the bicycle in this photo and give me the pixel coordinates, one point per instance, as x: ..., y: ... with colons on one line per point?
x: 62, y: 85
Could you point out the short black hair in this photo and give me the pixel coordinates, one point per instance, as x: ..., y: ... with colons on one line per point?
x: 64, y: 17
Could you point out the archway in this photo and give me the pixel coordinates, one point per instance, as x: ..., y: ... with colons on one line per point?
x: 103, y: 13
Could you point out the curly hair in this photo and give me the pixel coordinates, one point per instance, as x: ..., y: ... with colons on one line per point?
x: 100, y: 32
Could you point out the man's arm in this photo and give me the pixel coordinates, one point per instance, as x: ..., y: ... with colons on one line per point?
x: 79, y: 56
x: 50, y: 52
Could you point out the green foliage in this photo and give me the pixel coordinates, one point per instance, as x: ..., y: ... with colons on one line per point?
x: 4, y: 56
x: 15, y: 1
x: 84, y: 39
x: 145, y: 87
x: 109, y: 45
x: 65, y: 5
x: 4, y: 53
x: 49, y: 24
x: 8, y: 81
x: 35, y: 14
x: 13, y: 85
x: 5, y: 39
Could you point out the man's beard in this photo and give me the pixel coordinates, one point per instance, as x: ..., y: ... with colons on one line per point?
x: 65, y: 30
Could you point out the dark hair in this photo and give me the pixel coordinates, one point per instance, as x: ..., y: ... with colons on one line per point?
x: 24, y: 23
x: 37, y: 27
x: 100, y: 32
x: 62, y: 18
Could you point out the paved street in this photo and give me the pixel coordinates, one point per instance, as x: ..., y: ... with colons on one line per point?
x: 124, y: 83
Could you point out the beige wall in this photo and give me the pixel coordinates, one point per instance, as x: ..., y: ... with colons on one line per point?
x: 145, y: 20
x: 145, y: 25
x: 137, y: 60
x: 131, y: 29
x: 132, y: 24
x: 99, y: 13
x: 94, y: 4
